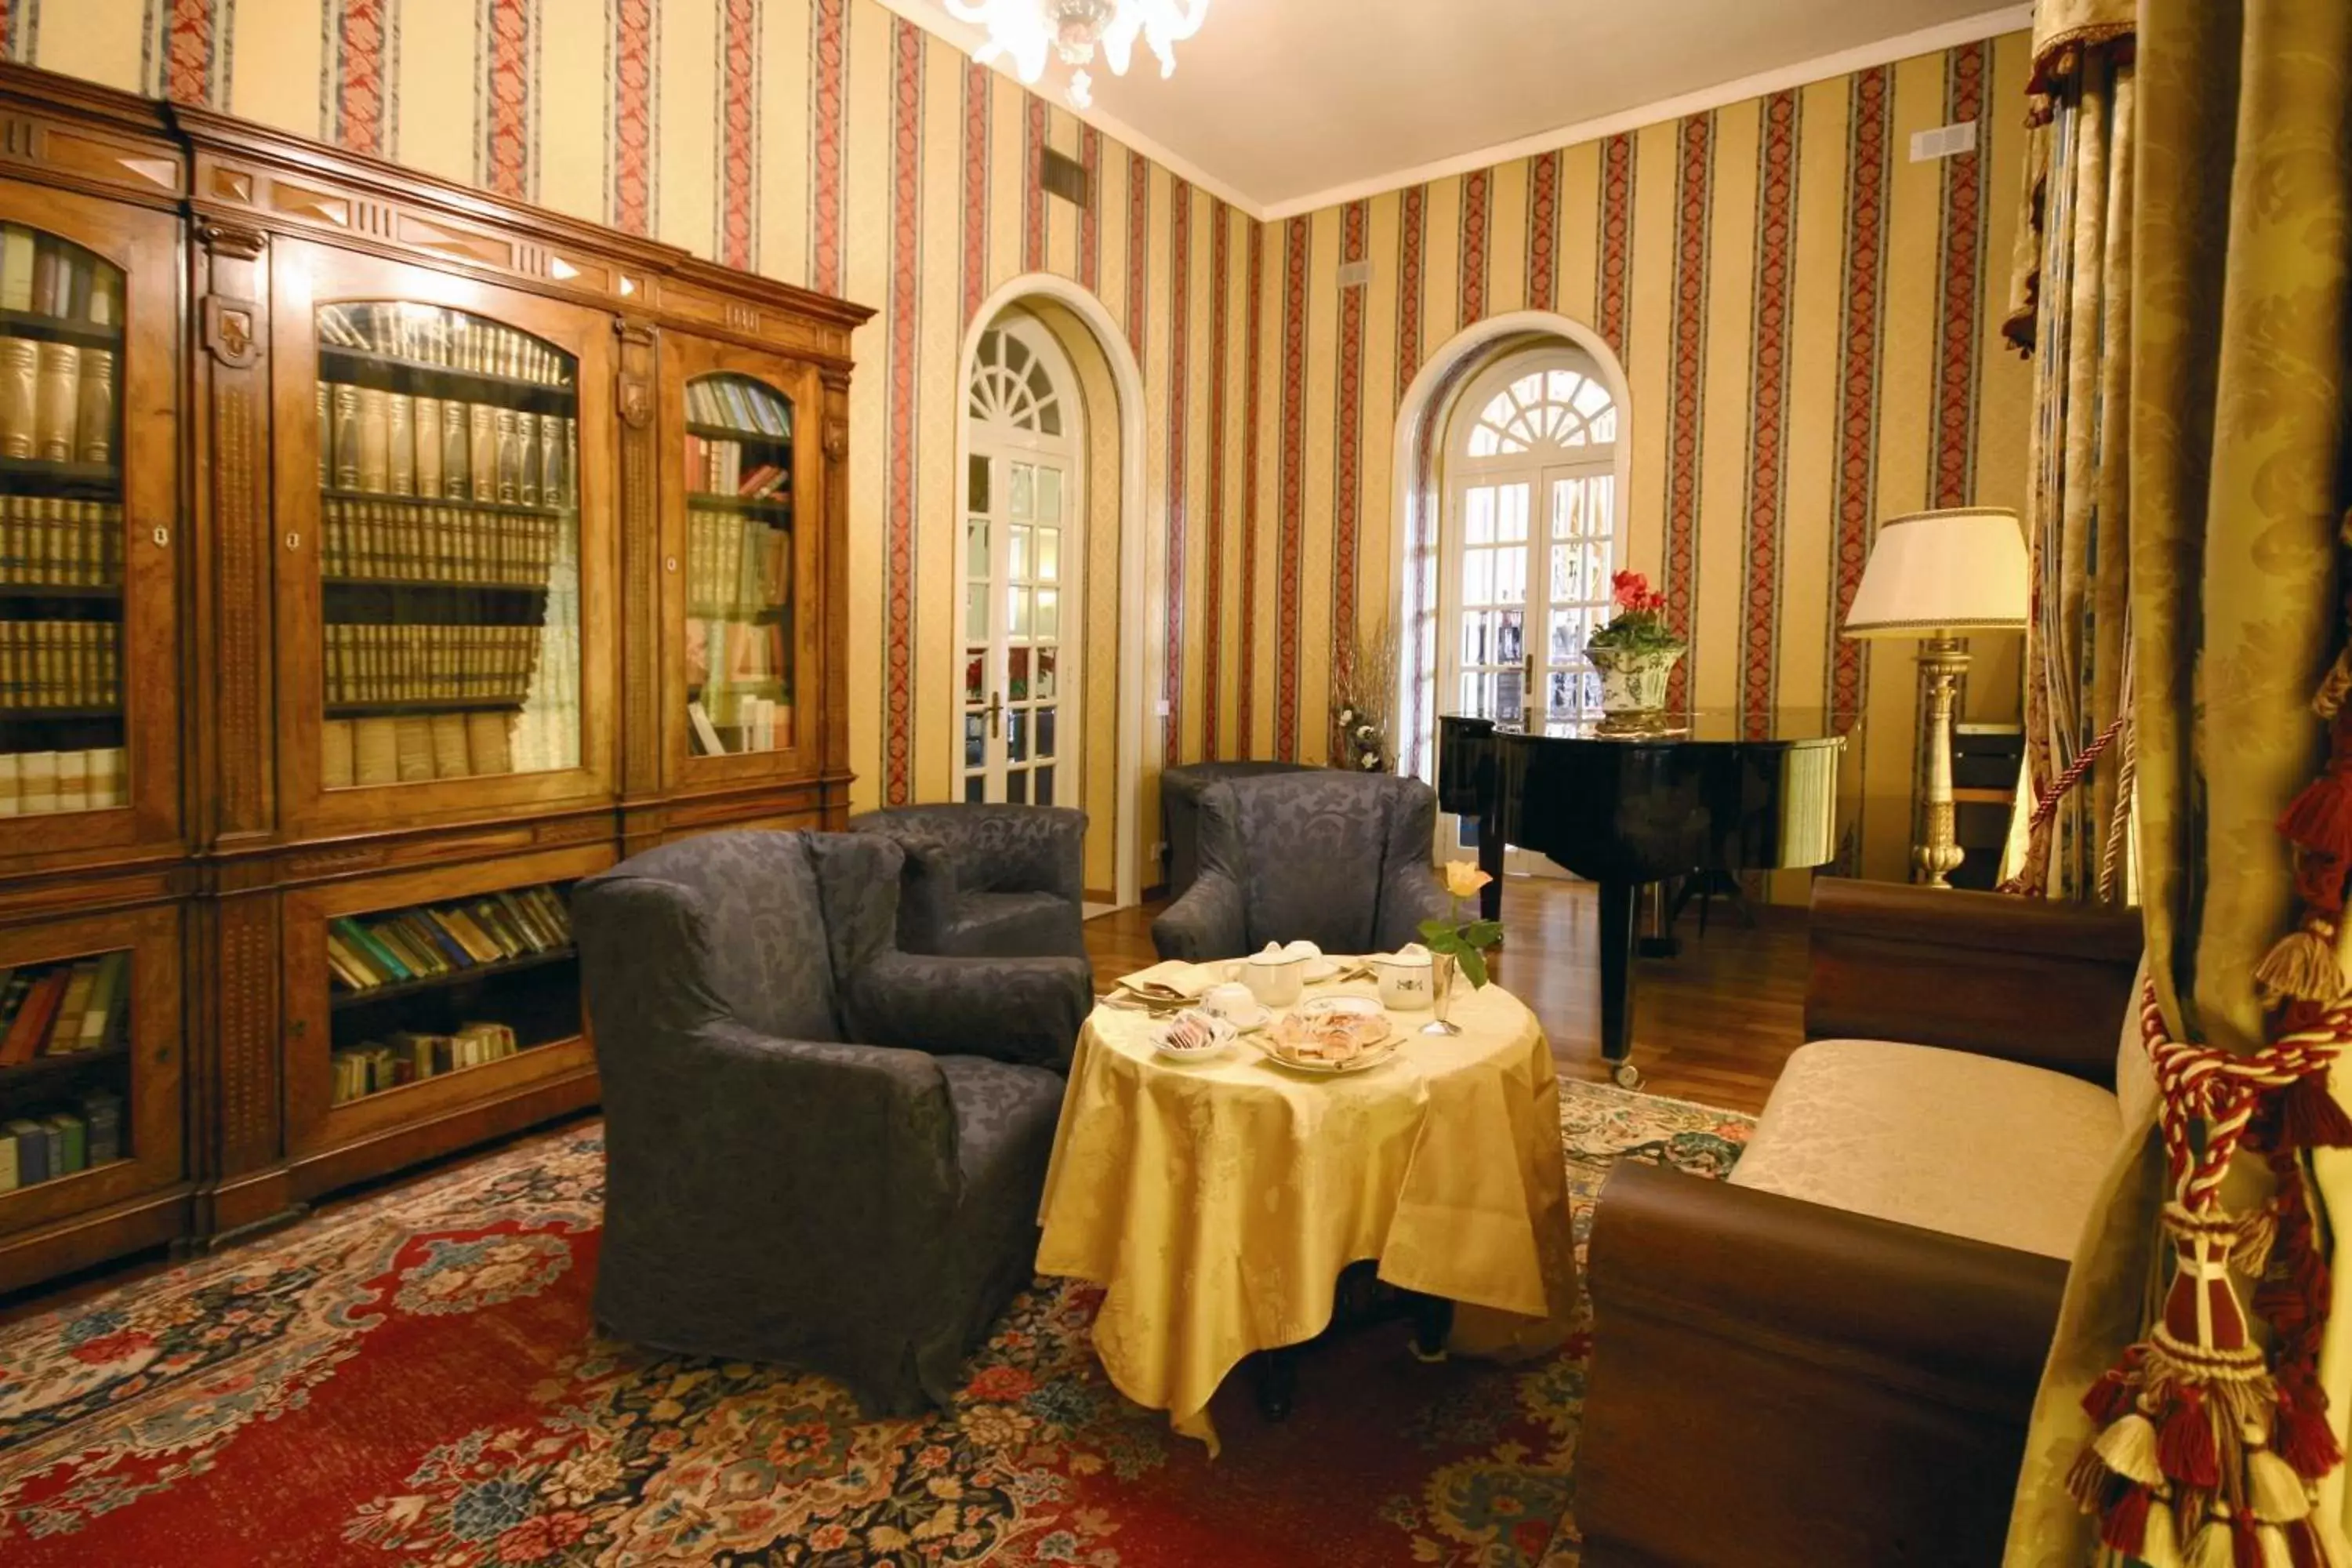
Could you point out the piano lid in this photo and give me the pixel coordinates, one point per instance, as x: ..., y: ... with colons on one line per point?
x: 1715, y: 726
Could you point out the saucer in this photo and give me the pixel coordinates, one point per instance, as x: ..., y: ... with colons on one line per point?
x: 1319, y: 970
x: 1249, y: 1023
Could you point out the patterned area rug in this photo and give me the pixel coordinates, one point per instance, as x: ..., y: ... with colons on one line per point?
x: 414, y: 1379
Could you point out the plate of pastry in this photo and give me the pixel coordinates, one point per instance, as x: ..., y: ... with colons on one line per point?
x: 1194, y: 1036
x: 1333, y: 1035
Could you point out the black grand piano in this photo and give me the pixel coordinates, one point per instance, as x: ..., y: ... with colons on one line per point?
x: 1732, y: 793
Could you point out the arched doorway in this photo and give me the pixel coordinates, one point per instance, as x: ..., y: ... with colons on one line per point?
x: 1053, y: 317
x: 1020, y: 617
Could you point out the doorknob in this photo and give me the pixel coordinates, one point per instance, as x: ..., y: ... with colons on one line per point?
x: 1528, y: 702
x: 996, y: 713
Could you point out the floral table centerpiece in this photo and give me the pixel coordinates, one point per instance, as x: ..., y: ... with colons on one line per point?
x: 1454, y: 943
x: 1635, y: 654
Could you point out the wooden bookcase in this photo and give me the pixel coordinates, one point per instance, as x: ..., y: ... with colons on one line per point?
x: 332, y: 690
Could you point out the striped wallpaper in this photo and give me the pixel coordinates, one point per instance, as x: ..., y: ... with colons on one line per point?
x: 1799, y: 308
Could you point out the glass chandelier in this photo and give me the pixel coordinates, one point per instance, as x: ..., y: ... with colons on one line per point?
x: 1024, y: 31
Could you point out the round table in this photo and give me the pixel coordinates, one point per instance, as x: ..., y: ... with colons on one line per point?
x: 1217, y: 1202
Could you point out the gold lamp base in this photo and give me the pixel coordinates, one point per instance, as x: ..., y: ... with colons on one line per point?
x: 1943, y: 660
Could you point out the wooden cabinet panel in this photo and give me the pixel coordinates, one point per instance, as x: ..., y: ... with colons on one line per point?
x: 450, y: 655
x: 89, y: 642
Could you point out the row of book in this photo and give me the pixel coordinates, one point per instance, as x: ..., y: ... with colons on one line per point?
x: 446, y: 339
x: 365, y: 951
x: 429, y: 663
x: 725, y: 653
x: 735, y: 565
x: 57, y: 402
x: 743, y: 405
x: 35, y: 783
x: 60, y: 543
x: 60, y: 664
x: 42, y: 275
x: 386, y: 542
x: 750, y: 723
x: 389, y: 443
x: 416, y: 748
x: 370, y: 1068
x: 64, y: 1008
x: 716, y: 468
x: 41, y: 1148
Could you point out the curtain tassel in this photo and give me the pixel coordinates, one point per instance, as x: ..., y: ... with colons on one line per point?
x: 2300, y: 967
x: 2304, y: 1439
x: 2185, y: 1448
x: 2309, y: 1116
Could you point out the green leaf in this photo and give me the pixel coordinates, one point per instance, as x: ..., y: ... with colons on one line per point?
x: 1434, y: 931
x: 1474, y: 966
x: 1483, y: 933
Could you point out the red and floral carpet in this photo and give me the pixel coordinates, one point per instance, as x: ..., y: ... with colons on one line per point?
x: 414, y: 1379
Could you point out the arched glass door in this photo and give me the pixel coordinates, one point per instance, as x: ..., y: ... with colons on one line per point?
x: 1018, y: 615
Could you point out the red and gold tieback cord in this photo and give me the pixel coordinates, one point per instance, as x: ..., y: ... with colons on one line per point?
x: 2209, y: 1447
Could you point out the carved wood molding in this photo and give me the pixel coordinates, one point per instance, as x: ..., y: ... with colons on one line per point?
x: 836, y: 441
x: 246, y: 1067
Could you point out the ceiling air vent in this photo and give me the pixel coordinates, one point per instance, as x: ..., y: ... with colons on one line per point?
x: 1063, y: 176
x: 1355, y: 274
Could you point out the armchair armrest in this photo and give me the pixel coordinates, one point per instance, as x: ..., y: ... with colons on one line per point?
x: 1774, y: 1383
x: 2027, y: 980
x: 1208, y: 922
x: 1412, y: 896
x: 1024, y: 1010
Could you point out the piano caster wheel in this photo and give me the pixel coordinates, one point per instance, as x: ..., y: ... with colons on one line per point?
x: 1627, y: 1074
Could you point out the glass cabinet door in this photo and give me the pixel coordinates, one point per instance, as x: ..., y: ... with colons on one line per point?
x: 85, y: 599
x: 450, y: 547
x: 739, y: 565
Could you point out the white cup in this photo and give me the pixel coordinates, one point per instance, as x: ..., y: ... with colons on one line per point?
x: 1274, y: 977
x: 1229, y: 1000
x: 1405, y: 982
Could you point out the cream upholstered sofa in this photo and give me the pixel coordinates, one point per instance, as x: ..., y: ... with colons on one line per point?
x: 1830, y: 1358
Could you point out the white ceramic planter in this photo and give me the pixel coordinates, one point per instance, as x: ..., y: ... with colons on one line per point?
x: 1634, y: 684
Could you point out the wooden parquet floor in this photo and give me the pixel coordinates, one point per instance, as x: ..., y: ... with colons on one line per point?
x: 1712, y: 1024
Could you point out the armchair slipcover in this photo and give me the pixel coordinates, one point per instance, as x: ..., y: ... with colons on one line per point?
x: 1339, y: 860
x: 821, y: 1150
x: 989, y: 881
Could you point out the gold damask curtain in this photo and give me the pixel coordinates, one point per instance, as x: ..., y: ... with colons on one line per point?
x: 2239, y: 290
x: 2070, y: 310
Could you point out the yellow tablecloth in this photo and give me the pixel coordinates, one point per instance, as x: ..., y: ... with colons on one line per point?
x: 1217, y: 1202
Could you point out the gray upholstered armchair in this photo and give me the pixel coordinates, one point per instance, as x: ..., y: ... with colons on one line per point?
x: 1338, y: 860
x: 989, y: 881
x: 820, y: 1150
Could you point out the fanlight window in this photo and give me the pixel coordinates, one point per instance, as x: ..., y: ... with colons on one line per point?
x: 1557, y: 409
x: 1011, y: 388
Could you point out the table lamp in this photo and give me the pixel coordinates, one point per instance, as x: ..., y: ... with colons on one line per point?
x: 1932, y: 574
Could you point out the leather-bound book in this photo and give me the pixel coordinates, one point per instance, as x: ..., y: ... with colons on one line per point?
x: 376, y: 441
x: 509, y: 456
x: 94, y: 417
x: 482, y: 450
x: 400, y: 418
x: 455, y: 444
x: 414, y: 748
x: 375, y: 752
x: 20, y: 395
x: 450, y: 758
x: 428, y: 446
x: 487, y: 743
x: 15, y: 267
x: 337, y: 766
x: 73, y: 781
x: 326, y: 436
x: 56, y: 400
x: 347, y: 437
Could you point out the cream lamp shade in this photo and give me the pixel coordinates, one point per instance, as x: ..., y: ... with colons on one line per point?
x: 1961, y: 570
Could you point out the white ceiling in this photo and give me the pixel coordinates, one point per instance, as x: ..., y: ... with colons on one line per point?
x: 1284, y: 105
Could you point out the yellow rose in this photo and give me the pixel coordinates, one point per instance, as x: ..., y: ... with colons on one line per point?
x: 1463, y: 878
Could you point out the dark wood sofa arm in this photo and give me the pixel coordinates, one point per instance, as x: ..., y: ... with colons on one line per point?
x: 2028, y: 980
x: 1774, y: 1383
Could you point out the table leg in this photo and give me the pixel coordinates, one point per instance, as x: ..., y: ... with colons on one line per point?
x: 1617, y: 901
x: 1274, y: 1375
x: 1432, y: 1325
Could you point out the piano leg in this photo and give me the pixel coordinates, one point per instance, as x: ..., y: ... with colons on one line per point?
x: 1491, y: 851
x: 1617, y: 902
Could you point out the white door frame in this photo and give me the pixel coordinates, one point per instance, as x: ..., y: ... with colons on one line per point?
x: 1134, y: 650
x: 1065, y: 455
x: 1420, y: 404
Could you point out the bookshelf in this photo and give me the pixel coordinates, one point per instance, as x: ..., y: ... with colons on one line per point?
x: 345, y: 578
x: 740, y: 560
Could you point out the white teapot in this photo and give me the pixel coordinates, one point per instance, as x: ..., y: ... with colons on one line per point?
x: 1407, y: 978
